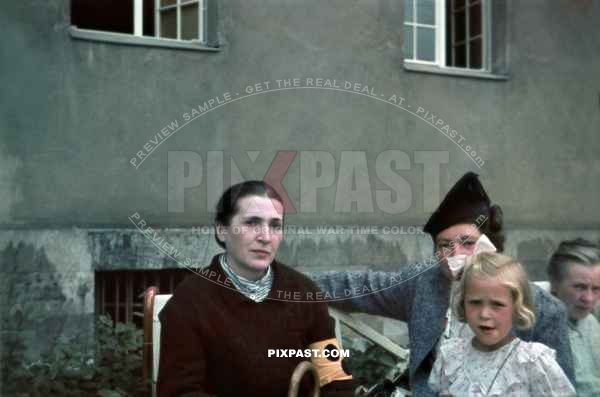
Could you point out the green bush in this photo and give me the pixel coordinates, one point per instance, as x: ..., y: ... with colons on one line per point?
x: 371, y: 366
x: 112, y: 367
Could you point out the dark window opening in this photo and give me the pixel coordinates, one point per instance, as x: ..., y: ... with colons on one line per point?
x: 464, y: 34
x: 111, y: 15
x: 192, y: 20
x: 119, y: 294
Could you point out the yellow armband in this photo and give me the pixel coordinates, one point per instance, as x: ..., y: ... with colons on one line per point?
x: 327, y: 359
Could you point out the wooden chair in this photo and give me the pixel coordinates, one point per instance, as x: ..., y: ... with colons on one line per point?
x: 149, y: 373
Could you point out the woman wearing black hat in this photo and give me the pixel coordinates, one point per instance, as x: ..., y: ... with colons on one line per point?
x: 456, y: 227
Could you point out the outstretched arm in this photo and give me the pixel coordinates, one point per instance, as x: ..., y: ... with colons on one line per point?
x: 386, y: 294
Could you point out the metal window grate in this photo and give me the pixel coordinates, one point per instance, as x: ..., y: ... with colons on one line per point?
x: 119, y: 294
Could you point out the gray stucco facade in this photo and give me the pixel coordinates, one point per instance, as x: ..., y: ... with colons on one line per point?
x: 76, y: 114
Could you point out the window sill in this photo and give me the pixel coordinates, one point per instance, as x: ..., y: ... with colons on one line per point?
x: 129, y: 39
x: 434, y: 69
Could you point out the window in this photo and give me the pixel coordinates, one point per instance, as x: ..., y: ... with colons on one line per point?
x: 119, y: 294
x: 191, y: 21
x: 181, y: 20
x: 464, y: 28
x: 457, y: 36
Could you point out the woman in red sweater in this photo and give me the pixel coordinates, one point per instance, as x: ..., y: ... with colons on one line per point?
x: 224, y: 332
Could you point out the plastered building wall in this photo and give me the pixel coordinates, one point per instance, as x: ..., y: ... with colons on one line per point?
x: 76, y: 114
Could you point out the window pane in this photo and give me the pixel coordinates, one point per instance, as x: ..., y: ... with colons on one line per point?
x: 458, y: 4
x: 408, y: 42
x: 460, y: 56
x: 426, y: 12
x: 475, y: 20
x: 475, y: 54
x: 408, y: 10
x: 167, y: 2
x: 189, y: 22
x: 149, y: 15
x: 168, y: 24
x: 459, y: 26
x: 426, y: 44
x: 449, y: 29
x: 106, y: 15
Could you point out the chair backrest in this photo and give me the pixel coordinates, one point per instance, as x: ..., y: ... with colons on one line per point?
x: 153, y: 304
x: 149, y: 295
x: 159, y: 303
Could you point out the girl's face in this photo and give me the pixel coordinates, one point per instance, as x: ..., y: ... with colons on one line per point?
x: 489, y: 310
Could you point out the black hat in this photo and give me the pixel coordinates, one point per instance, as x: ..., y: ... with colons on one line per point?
x: 466, y: 202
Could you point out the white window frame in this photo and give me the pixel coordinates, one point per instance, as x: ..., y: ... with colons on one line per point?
x: 438, y: 21
x: 179, y: 4
x: 137, y: 38
x: 439, y: 65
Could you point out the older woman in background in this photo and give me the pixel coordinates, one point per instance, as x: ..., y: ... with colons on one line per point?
x: 574, y: 273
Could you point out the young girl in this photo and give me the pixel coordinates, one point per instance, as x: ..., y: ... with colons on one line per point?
x: 492, y: 297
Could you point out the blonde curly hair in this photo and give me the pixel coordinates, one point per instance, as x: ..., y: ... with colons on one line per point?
x: 510, y: 273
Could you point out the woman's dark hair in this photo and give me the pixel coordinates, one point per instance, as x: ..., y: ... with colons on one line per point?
x: 494, y: 227
x: 227, y: 206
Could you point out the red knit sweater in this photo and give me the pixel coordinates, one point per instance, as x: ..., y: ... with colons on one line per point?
x: 215, y: 341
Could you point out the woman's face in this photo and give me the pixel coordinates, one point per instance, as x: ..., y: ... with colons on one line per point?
x: 456, y: 240
x: 253, y: 235
x: 579, y: 290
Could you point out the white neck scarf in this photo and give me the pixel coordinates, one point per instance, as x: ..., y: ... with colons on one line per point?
x: 254, y: 290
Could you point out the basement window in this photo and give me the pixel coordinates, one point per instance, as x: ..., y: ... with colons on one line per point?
x: 119, y: 294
